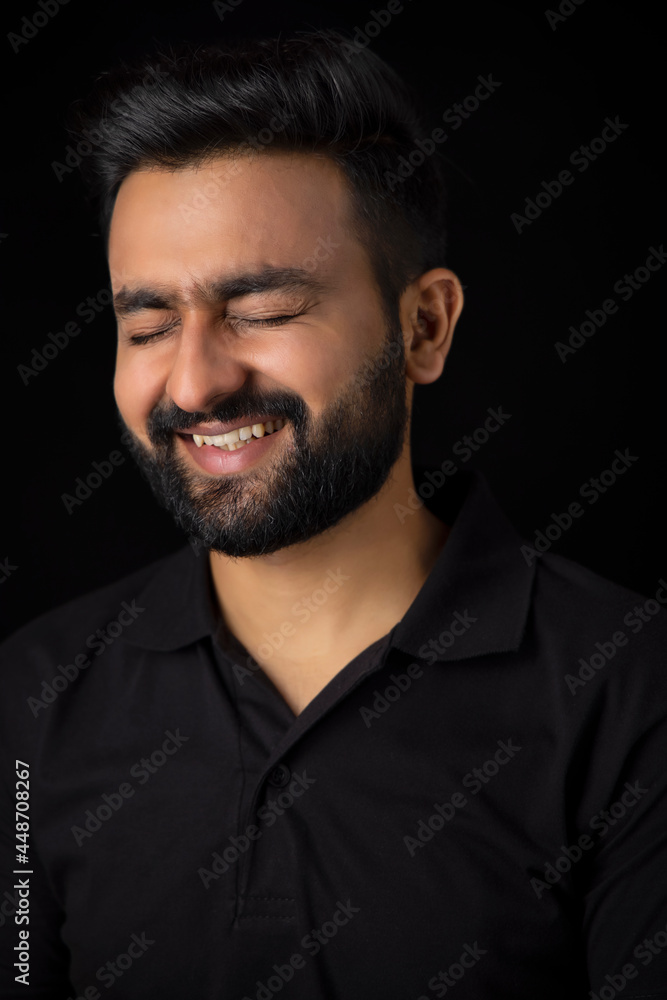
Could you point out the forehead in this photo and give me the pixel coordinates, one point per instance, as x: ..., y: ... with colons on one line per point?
x: 269, y: 208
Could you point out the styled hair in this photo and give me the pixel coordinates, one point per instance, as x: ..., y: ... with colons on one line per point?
x: 316, y: 91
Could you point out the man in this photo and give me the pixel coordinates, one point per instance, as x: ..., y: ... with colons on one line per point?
x: 345, y: 743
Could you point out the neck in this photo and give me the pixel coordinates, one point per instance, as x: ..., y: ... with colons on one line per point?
x: 347, y: 585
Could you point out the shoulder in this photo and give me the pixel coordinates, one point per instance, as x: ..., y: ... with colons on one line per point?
x: 62, y: 632
x: 567, y: 585
x: 595, y: 631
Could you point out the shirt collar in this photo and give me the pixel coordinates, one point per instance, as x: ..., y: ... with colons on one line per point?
x: 178, y: 603
x: 479, y: 574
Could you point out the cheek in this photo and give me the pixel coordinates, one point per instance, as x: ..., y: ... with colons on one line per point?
x: 315, y: 374
x: 319, y: 363
x: 136, y: 389
x: 312, y: 363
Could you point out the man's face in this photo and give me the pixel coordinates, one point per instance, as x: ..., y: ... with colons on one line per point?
x: 259, y: 304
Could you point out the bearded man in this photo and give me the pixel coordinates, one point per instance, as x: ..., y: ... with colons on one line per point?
x: 345, y: 742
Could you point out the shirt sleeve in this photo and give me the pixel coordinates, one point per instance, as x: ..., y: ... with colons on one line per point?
x: 624, y: 877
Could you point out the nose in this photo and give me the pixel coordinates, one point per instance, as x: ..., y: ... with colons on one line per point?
x: 203, y: 366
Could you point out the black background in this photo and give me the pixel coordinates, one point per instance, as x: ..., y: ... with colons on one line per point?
x: 522, y: 290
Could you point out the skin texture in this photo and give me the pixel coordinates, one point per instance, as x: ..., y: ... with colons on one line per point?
x: 277, y: 209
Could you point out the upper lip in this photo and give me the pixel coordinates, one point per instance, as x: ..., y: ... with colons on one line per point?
x: 212, y: 430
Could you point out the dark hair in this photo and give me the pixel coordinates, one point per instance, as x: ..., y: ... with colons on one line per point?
x: 316, y: 91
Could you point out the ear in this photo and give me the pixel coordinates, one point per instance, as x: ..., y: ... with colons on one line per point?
x: 429, y: 309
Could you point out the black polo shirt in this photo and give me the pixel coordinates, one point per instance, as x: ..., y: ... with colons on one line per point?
x: 475, y: 805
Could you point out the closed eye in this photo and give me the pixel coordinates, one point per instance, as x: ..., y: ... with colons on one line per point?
x: 267, y: 321
x: 144, y: 338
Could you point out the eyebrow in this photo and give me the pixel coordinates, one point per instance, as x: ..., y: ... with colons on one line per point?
x: 130, y: 300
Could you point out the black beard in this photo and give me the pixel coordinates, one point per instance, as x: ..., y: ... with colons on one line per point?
x: 333, y: 466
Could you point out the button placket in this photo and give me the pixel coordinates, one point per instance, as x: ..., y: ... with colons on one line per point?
x: 277, y: 778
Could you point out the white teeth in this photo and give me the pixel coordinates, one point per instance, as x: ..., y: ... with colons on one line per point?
x: 233, y: 440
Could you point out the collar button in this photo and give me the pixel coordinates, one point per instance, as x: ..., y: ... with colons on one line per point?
x: 279, y: 776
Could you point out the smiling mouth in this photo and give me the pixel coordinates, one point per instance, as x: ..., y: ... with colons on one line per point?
x: 239, y: 437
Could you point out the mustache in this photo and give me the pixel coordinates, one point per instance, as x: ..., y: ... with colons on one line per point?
x: 167, y: 418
